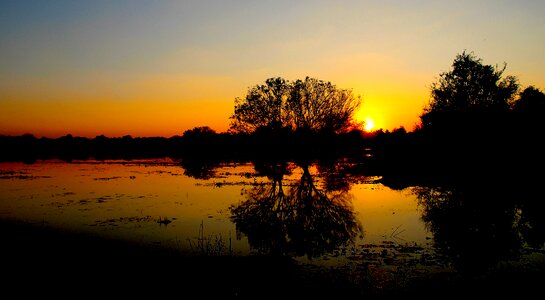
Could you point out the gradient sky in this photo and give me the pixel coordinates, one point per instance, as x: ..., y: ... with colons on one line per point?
x: 158, y: 68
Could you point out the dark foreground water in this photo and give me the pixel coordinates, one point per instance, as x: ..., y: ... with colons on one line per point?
x: 257, y: 229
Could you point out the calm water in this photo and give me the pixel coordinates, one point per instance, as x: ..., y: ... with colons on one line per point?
x: 155, y: 201
x: 321, y: 214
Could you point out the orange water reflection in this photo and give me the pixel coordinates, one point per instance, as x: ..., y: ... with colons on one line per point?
x: 153, y: 201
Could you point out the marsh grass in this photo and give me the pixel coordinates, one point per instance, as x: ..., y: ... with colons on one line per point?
x: 210, y: 245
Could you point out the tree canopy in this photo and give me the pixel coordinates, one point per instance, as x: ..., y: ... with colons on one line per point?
x: 531, y: 100
x: 470, y: 87
x: 310, y: 105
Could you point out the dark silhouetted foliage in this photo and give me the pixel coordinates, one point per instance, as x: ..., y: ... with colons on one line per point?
x: 471, y: 85
x: 263, y: 106
x: 531, y: 101
x: 319, y: 106
x: 469, y: 95
x: 199, y: 143
x: 309, y: 105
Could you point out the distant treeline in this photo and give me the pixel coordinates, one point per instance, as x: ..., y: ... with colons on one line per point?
x: 510, y: 137
x: 507, y: 154
x: 198, y: 143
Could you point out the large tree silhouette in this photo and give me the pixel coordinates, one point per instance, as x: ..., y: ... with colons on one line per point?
x: 263, y: 106
x: 303, y: 105
x: 469, y: 93
x: 317, y: 105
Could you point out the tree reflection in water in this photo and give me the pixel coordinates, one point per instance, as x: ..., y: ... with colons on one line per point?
x: 305, y: 220
x: 478, y: 225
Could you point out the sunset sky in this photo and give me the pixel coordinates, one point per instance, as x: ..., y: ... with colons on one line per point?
x: 158, y: 68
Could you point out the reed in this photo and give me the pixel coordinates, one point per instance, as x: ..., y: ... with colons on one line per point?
x: 210, y: 245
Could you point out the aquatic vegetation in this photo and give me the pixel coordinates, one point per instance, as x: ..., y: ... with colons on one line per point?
x: 210, y: 245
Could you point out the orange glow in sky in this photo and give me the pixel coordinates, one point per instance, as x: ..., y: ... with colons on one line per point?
x: 159, y: 68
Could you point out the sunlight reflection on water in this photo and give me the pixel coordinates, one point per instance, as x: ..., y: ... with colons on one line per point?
x: 154, y: 201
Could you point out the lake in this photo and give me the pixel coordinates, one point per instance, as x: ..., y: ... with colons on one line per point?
x: 154, y: 201
x: 322, y: 215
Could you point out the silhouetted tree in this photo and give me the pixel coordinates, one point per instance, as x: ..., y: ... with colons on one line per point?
x: 527, y: 128
x: 316, y: 105
x: 469, y: 88
x: 308, y: 105
x: 263, y: 106
x: 531, y: 101
x: 199, y: 132
x: 200, y: 141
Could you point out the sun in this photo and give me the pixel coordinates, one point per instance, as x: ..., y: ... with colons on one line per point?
x: 369, y: 124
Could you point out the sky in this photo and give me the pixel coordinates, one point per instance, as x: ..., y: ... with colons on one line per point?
x: 158, y: 68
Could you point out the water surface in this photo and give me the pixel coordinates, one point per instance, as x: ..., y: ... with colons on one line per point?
x: 155, y: 201
x: 324, y: 214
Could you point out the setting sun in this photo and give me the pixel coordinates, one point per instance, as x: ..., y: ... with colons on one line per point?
x: 94, y: 68
x: 369, y: 124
